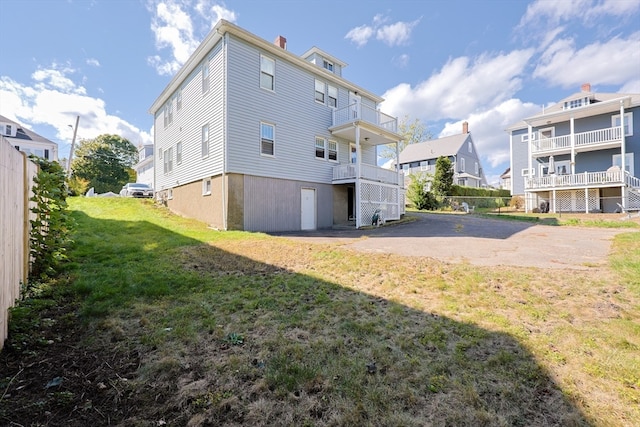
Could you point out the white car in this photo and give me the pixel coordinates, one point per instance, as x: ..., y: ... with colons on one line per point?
x: 136, y: 189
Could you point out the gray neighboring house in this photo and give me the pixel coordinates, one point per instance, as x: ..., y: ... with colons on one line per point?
x: 580, y: 155
x: 249, y: 136
x: 28, y: 141
x: 460, y: 149
x: 144, y: 167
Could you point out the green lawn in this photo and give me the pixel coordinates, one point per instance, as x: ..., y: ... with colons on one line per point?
x: 176, y: 323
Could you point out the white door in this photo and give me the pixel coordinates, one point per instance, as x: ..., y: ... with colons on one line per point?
x: 308, y: 209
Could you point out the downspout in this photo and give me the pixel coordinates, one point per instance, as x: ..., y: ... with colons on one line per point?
x: 623, y: 154
x: 358, y: 195
x: 225, y: 117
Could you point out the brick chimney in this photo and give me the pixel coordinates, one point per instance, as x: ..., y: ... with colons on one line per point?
x: 281, y: 42
x: 586, y: 87
x: 465, y: 127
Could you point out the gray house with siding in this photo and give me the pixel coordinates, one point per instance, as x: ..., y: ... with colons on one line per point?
x: 580, y: 155
x: 249, y: 136
x: 459, y: 149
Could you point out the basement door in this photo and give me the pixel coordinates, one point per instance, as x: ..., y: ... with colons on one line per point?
x: 308, y: 209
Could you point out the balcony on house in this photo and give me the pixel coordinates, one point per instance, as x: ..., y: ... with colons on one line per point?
x: 593, y: 140
x: 582, y: 180
x: 366, y: 115
x: 348, y: 173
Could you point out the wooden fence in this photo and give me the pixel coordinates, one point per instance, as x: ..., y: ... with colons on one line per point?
x: 16, y: 181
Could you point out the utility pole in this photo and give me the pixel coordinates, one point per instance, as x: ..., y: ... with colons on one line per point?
x: 73, y: 144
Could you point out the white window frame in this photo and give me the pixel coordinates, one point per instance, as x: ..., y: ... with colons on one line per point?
x: 462, y: 165
x: 424, y: 165
x: 616, y: 160
x: 330, y: 150
x: 168, y: 160
x: 179, y: 152
x: 206, y: 187
x: 266, y: 140
x: 628, y: 123
x: 179, y: 100
x: 320, y: 145
x: 470, y: 147
x: 205, y: 141
x: 169, y: 193
x: 477, y: 169
x: 328, y: 65
x: 525, y: 137
x: 205, y: 76
x: 525, y: 172
x: 332, y: 96
x: 320, y: 89
x: 268, y: 68
x: 551, y: 128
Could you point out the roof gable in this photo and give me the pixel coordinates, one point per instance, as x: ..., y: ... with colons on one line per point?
x: 434, y: 148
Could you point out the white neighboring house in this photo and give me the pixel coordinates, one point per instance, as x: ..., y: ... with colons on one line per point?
x: 250, y: 136
x: 144, y: 167
x: 28, y: 141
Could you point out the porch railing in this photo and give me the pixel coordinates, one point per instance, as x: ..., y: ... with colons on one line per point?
x: 372, y: 173
x: 582, y: 139
x: 358, y: 111
x: 584, y: 179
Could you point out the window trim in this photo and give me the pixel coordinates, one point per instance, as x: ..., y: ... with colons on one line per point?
x: 322, y: 93
x: 525, y: 172
x: 179, y: 153
x: 273, y: 140
x: 168, y: 160
x: 329, y: 150
x: 263, y: 72
x: 628, y: 121
x: 205, y: 76
x: 169, y: 193
x: 462, y: 165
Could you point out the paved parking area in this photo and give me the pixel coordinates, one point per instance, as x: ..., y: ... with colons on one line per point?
x: 479, y: 241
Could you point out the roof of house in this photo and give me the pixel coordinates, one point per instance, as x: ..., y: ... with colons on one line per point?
x: 506, y: 174
x: 23, y: 133
x: 434, y: 148
x: 218, y: 32
x: 597, y: 100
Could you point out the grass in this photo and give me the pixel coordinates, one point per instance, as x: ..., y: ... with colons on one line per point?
x: 235, y: 328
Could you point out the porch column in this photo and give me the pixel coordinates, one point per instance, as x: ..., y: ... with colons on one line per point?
x: 623, y: 154
x: 400, y: 186
x: 573, y: 146
x: 357, y: 206
x: 553, y: 194
x: 586, y: 199
x: 530, y: 166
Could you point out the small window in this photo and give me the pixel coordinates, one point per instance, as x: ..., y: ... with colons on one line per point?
x: 628, y: 123
x: 170, y: 193
x: 470, y: 147
x: 165, y: 116
x: 205, y: 77
x: 159, y: 154
x: 179, y: 152
x: 462, y: 165
x: 267, y: 139
x: 205, y: 140
x: 206, y: 186
x: 328, y: 65
x: 267, y: 73
x: 170, y: 109
x: 320, y: 91
x: 179, y: 100
x: 477, y: 169
x: 46, y: 154
x: 320, y: 148
x: 333, y: 96
x: 525, y: 172
x: 7, y: 129
x: 333, y: 151
x: 424, y: 165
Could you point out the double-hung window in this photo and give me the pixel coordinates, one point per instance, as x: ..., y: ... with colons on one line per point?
x: 179, y: 100
x: 267, y: 73
x: 320, y: 91
x: 267, y: 139
x: 333, y: 151
x: 320, y: 148
x: 333, y: 96
x: 628, y: 123
x: 179, y: 152
x: 168, y: 160
x: 205, y: 140
x: 205, y: 77
x: 462, y: 165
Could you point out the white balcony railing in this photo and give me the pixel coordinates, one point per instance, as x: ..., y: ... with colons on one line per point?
x: 372, y: 173
x: 365, y: 113
x: 585, y: 179
x: 582, y: 139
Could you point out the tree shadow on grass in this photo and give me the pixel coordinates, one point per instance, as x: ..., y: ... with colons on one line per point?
x: 184, y: 333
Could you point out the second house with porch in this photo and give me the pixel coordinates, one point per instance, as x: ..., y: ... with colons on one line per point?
x: 580, y: 155
x: 249, y: 136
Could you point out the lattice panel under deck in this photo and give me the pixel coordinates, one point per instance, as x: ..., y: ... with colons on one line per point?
x: 574, y: 201
x: 633, y: 196
x: 374, y: 196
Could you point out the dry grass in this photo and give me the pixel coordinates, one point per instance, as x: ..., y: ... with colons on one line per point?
x: 245, y: 329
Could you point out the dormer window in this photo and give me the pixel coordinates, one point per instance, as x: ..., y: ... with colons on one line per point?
x: 7, y: 129
x: 328, y: 65
x: 576, y: 103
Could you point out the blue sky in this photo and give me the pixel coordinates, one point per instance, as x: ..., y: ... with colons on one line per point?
x: 488, y: 62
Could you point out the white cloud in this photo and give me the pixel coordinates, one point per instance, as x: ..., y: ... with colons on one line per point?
x: 461, y: 87
x: 632, y: 86
x: 395, y: 34
x: 615, y: 62
x: 401, y: 61
x: 175, y: 29
x: 553, y: 12
x: 93, y: 62
x: 360, y: 35
x: 54, y: 100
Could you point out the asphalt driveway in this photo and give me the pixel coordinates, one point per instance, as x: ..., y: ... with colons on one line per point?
x: 479, y: 241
